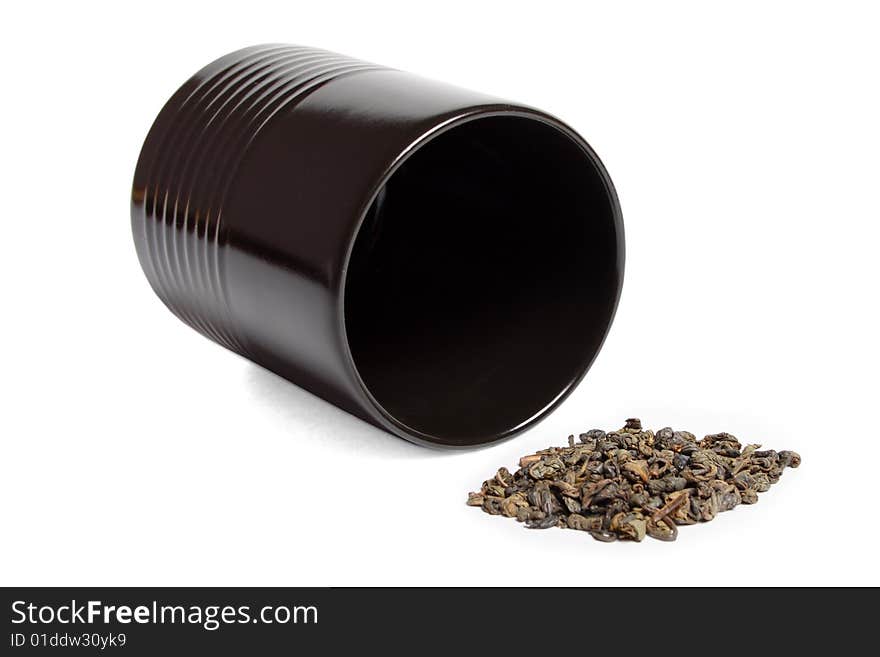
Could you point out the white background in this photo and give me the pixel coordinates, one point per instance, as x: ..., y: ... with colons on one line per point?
x: 745, y: 147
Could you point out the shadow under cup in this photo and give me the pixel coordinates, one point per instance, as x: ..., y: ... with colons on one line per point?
x: 440, y: 263
x: 483, y: 279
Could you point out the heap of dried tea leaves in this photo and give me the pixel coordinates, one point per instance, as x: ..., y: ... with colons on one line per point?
x: 633, y: 482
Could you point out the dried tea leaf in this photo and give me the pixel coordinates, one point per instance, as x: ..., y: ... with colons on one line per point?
x: 510, y: 505
x: 638, y: 468
x: 543, y: 523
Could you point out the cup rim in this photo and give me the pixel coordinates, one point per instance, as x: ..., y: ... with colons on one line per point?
x: 468, y: 115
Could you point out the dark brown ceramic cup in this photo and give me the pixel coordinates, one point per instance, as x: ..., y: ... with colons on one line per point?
x: 440, y: 263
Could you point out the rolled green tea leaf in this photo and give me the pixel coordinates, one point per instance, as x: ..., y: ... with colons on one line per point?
x: 633, y: 482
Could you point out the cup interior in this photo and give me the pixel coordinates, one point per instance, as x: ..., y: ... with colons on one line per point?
x: 483, y: 279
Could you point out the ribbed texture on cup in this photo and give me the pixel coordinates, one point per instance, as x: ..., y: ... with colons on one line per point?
x: 180, y: 198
